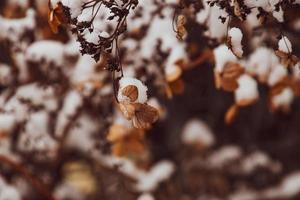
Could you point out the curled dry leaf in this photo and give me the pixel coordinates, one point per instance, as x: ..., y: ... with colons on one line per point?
x: 181, y: 30
x: 227, y: 80
x: 131, y: 92
x: 231, y: 114
x: 127, y: 109
x: 145, y: 115
x: 142, y: 115
x: 287, y: 59
x: 56, y: 17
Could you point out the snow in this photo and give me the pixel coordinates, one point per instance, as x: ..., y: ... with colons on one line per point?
x: 47, y: 51
x: 142, y: 90
x: 236, y: 35
x: 146, y: 196
x: 13, y: 29
x: 7, y: 122
x: 36, y: 137
x: 289, y: 187
x: 277, y: 74
x: 224, y: 155
x: 247, y: 90
x: 223, y: 55
x: 197, y: 132
x: 285, y: 45
x: 283, y: 99
x: 261, y: 61
x: 210, y: 16
x: 74, y: 5
x: 72, y: 102
x: 172, y: 69
x: 258, y: 159
x: 158, y: 173
x: 6, y: 77
x: 8, y: 192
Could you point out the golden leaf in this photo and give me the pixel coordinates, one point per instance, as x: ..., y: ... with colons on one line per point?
x: 131, y: 92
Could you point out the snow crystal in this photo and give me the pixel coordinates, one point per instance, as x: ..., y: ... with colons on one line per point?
x: 236, y: 35
x: 142, y: 89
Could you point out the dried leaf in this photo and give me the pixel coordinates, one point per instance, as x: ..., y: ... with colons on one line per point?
x: 287, y: 59
x: 145, y: 115
x: 131, y: 92
x: 231, y: 114
x: 232, y: 71
x: 177, y: 86
x: 128, y: 110
x: 56, y: 17
x: 181, y: 30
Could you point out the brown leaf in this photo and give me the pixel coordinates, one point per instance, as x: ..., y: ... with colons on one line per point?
x: 131, y: 92
x: 228, y: 78
x: 231, y: 114
x: 145, y: 115
x: 56, y: 17
x: 128, y: 110
x: 286, y: 58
